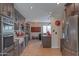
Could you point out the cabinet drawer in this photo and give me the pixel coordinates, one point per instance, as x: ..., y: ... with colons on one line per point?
x: 67, y: 52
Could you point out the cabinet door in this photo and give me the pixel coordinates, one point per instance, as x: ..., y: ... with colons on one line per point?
x: 70, y: 10
x: 0, y: 44
x: 6, y: 9
x: 0, y: 39
x: 0, y: 8
x: 10, y: 9
x: 77, y: 8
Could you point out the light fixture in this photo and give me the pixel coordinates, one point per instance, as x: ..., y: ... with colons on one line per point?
x: 31, y: 7
x: 58, y: 3
x: 50, y: 13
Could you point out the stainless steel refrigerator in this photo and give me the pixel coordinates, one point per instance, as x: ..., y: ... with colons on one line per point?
x: 71, y: 41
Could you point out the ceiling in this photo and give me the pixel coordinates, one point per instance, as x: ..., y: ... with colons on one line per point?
x: 42, y: 11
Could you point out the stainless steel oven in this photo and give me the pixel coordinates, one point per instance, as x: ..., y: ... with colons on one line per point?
x: 7, y: 30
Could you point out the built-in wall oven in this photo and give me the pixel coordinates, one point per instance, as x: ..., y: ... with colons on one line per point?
x: 7, y: 30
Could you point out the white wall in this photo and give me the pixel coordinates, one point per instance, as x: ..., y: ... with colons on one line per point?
x: 54, y: 16
x: 56, y: 37
x: 37, y: 24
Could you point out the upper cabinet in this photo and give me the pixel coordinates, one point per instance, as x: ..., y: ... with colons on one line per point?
x: 7, y: 9
x: 77, y: 8
x: 19, y: 21
x: 71, y: 9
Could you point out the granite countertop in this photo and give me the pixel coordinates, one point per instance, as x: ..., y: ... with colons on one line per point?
x: 21, y: 39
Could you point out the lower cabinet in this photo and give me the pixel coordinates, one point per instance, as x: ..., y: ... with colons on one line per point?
x: 46, y: 41
x: 26, y: 40
x: 66, y: 50
x: 0, y: 45
x: 16, y: 52
x: 19, y: 47
x: 9, y: 51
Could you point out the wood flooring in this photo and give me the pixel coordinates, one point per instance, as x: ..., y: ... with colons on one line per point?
x: 35, y: 48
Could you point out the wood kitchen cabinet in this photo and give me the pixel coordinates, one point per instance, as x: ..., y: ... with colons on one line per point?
x: 27, y: 28
x: 69, y: 9
x: 19, y: 21
x: 10, y: 15
x: 7, y: 9
x: 68, y: 52
x: 9, y: 51
x: 46, y: 41
x: 19, y: 26
x: 0, y: 38
x: 6, y: 20
x: 77, y: 8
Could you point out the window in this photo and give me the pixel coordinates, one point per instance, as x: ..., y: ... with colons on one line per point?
x: 46, y: 28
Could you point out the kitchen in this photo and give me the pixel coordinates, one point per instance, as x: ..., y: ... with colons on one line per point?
x: 16, y: 31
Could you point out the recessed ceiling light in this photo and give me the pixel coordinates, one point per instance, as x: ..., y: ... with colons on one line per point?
x: 31, y: 7
x: 58, y: 3
x: 50, y: 13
